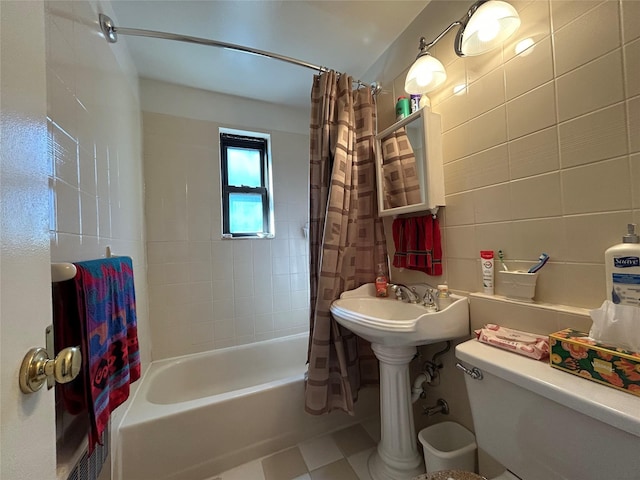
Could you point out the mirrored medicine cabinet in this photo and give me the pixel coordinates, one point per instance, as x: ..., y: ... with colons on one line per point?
x: 409, y: 168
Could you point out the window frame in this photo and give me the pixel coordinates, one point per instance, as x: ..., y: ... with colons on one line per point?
x: 261, y: 142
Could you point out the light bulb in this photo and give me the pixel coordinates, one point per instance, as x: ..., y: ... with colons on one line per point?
x: 424, y: 76
x: 489, y: 30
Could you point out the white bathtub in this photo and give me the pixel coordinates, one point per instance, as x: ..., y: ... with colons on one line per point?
x: 198, y: 415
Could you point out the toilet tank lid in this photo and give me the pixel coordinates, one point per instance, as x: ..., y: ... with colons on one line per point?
x: 618, y: 409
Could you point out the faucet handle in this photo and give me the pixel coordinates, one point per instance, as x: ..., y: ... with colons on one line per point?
x: 397, y: 290
x: 428, y: 300
x: 428, y: 296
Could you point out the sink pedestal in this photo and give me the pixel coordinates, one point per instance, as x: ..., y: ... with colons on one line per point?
x: 394, y: 329
x: 396, y: 457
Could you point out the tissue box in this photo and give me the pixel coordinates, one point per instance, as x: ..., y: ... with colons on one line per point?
x: 518, y: 285
x: 574, y: 352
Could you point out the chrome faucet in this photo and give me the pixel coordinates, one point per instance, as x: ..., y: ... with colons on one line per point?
x: 402, y: 292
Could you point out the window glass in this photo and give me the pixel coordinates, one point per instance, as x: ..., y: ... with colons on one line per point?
x: 245, y: 174
x: 246, y: 213
x: 244, y: 167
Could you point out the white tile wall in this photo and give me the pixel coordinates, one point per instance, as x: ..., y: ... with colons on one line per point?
x: 541, y: 150
x: 95, y: 146
x: 206, y: 292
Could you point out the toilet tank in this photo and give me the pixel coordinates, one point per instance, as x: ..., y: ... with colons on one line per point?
x: 544, y: 424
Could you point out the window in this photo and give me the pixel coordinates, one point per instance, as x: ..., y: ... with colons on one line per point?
x: 246, y: 184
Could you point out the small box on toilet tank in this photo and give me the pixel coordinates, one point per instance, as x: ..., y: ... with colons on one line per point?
x: 574, y: 352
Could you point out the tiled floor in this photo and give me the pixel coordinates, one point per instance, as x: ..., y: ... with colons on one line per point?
x: 341, y: 455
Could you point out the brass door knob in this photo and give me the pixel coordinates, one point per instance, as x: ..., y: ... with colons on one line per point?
x: 37, y: 367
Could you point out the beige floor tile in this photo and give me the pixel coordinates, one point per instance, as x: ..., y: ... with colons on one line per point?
x: 252, y: 470
x: 372, y: 426
x: 340, y: 470
x: 360, y: 463
x: 353, y: 440
x: 320, y: 451
x: 285, y: 465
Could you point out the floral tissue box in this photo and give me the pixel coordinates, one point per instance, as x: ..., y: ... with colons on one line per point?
x: 574, y: 352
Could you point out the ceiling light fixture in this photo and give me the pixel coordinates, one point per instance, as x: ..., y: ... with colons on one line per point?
x: 485, y: 26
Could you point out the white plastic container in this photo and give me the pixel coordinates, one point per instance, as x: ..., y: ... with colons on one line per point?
x: 518, y: 285
x: 443, y: 299
x: 448, y: 446
x: 622, y: 267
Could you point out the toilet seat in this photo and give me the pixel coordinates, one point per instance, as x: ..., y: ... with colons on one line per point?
x: 450, y: 475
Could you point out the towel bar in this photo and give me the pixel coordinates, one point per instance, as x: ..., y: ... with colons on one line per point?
x: 62, y: 271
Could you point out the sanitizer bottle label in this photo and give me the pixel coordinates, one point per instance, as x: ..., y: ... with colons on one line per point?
x: 626, y: 286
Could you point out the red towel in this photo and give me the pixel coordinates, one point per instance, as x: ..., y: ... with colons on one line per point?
x: 436, y: 267
x: 400, y: 241
x: 67, y: 333
x: 418, y: 244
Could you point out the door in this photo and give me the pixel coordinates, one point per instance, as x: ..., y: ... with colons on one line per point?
x: 27, y: 422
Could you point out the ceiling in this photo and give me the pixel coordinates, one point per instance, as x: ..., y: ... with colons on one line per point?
x: 347, y: 36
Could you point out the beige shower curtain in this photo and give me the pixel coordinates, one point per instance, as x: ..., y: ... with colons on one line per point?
x: 401, y: 184
x: 346, y: 237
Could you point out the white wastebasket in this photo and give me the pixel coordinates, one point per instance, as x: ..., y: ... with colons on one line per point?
x: 448, y: 446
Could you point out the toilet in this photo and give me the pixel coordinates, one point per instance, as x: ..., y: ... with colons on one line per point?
x: 544, y: 424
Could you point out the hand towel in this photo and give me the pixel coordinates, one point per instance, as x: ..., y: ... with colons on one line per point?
x: 400, y: 242
x: 436, y: 260
x: 418, y: 244
x: 424, y: 252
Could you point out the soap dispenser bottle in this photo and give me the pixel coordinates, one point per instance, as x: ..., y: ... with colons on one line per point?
x: 381, y: 282
x: 622, y: 267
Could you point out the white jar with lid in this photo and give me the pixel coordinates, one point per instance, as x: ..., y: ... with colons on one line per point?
x: 443, y: 299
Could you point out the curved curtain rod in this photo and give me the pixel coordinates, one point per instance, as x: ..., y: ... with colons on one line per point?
x: 111, y: 32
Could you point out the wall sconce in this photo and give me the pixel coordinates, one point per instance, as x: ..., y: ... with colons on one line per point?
x: 486, y: 25
x: 426, y: 74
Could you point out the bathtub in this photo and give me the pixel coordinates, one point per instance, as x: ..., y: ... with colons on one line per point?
x: 198, y: 415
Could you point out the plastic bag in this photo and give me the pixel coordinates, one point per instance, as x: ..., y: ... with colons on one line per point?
x: 524, y: 343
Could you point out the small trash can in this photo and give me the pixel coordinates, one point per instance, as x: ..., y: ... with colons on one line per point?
x: 448, y: 446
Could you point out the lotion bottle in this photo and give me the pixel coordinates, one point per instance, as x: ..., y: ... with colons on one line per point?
x: 622, y: 267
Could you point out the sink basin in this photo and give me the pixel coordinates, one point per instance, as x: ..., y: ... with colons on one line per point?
x: 387, y: 321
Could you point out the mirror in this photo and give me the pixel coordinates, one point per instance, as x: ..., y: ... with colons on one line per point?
x: 409, y: 165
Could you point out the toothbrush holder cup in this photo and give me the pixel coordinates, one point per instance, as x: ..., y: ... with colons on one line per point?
x: 518, y: 285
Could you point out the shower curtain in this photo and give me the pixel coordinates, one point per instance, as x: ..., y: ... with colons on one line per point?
x: 346, y: 238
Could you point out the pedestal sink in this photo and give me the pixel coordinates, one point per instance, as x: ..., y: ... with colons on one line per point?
x: 394, y: 329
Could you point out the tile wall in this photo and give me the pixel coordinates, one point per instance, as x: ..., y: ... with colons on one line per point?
x: 205, y: 292
x: 542, y: 154
x: 542, y: 148
x: 95, y: 149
